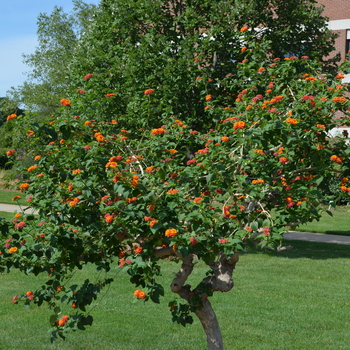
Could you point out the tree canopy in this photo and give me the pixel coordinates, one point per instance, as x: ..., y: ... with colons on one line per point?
x: 184, y: 140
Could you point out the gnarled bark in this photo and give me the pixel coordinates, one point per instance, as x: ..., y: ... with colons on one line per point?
x: 220, y: 281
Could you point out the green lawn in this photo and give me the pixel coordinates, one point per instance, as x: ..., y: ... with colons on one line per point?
x: 298, y: 299
x: 6, y: 197
x: 338, y: 224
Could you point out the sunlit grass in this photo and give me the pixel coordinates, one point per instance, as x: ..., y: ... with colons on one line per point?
x: 338, y: 224
x: 298, y: 300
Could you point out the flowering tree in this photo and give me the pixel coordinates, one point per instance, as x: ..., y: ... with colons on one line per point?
x: 138, y: 189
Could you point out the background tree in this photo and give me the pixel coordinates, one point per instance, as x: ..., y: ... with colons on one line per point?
x: 112, y: 181
x: 48, y: 79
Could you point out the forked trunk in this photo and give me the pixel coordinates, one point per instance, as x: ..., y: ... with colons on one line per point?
x: 211, y: 326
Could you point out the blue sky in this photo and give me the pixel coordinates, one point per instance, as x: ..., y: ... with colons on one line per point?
x: 18, y: 35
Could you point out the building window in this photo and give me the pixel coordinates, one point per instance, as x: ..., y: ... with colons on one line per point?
x: 348, y: 42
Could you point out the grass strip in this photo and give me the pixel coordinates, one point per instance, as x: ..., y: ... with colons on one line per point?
x: 297, y: 299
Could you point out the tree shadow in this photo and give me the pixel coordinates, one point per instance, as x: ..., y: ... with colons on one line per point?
x: 309, y: 250
x: 339, y: 232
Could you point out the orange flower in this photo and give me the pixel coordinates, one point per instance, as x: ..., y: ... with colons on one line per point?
x: 261, y: 69
x: 16, y: 197
x: 208, y: 97
x: 198, y: 200
x: 65, y: 102
x: 239, y: 125
x: 17, y: 215
x: 243, y: 29
x: 152, y: 223
x: 341, y: 99
x: 138, y: 250
x: 292, y: 121
x: 259, y: 151
x: 110, y: 95
x: 149, y: 91
x: 336, y: 159
x: 224, y: 139
x: 171, y: 232
x: 76, y: 171
x: 37, y: 157
x: 10, y: 152
x: 172, y: 151
x: 12, y: 250
x: 159, y: 131
x: 321, y: 126
x: 33, y: 167
x: 173, y: 191
x: 258, y: 181
x: 243, y: 49
x: 24, y: 186
x: 11, y: 116
x: 140, y: 294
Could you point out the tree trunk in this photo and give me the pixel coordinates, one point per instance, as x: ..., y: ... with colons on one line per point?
x: 211, y: 326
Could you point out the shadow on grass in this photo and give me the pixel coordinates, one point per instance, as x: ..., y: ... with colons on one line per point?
x: 310, y: 250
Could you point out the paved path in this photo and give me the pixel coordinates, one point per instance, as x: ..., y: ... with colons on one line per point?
x: 10, y: 208
x: 317, y: 237
x: 293, y: 235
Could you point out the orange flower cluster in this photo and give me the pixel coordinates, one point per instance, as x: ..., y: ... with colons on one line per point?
x: 140, y: 294
x: 259, y: 151
x: 24, y: 186
x: 150, y: 169
x: 31, y: 168
x: 340, y: 99
x: 321, y: 126
x: 283, y: 160
x: 173, y: 191
x: 223, y: 240
x: 171, y: 232
x: 180, y: 123
x: 239, y: 125
x: 336, y: 159
x: 111, y: 165
x: 11, y: 116
x: 76, y: 171
x: 258, y: 181
x: 63, y: 321
x: 12, y: 250
x: 261, y: 69
x: 74, y: 201
x: 16, y: 197
x: 149, y: 92
x: 198, y: 200
x: 227, y: 213
x: 65, y: 102
x: 99, y: 137
x: 224, y: 138
x: 159, y: 131
x: 292, y: 121
x: 138, y: 250
x: 208, y: 97
x: 135, y: 181
x: 10, y: 152
x: 243, y: 29
x: 88, y: 76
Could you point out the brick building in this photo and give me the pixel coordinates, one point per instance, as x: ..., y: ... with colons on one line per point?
x: 338, y: 12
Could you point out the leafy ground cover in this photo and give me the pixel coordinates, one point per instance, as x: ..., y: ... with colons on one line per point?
x: 337, y: 224
x: 297, y: 299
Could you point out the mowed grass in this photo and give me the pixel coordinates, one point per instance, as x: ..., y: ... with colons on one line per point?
x: 338, y: 224
x: 298, y: 299
x: 6, y: 197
